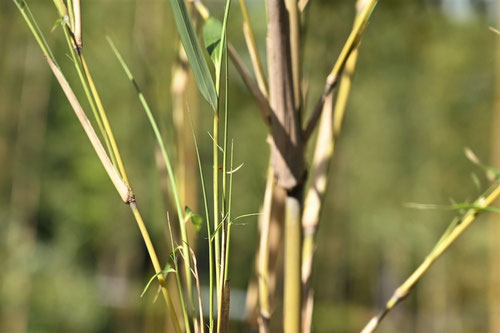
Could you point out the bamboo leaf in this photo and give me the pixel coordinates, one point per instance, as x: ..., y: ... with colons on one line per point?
x: 212, y: 236
x: 195, y: 218
x: 212, y: 33
x: 164, y: 272
x: 194, y: 52
x: 244, y: 216
x: 460, y: 206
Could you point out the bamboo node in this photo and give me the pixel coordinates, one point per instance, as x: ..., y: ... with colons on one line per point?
x: 130, y: 197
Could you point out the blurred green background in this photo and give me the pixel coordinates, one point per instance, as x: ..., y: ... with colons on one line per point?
x: 71, y: 256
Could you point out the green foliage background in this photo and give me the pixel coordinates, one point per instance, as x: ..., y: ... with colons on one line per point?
x: 72, y: 258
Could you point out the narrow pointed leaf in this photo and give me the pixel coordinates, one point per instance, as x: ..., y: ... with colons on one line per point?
x: 195, y: 218
x: 212, y: 32
x: 194, y: 52
x: 164, y: 272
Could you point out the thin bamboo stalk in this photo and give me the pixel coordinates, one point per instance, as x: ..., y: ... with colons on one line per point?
x: 350, y: 45
x: 292, y: 285
x: 104, y: 118
x: 92, y: 102
x: 404, y: 289
x: 294, y: 23
x: 156, y: 265
x: 261, y: 298
x: 312, y: 207
x: 71, y: 14
x: 78, y: 24
x: 261, y: 99
x: 253, y: 51
x: 124, y: 191
x: 122, y: 188
x: 223, y: 320
x: 329, y: 129
x: 209, y: 233
x: 287, y: 153
x: 166, y: 159
x: 179, y: 86
x: 119, y: 184
x: 215, y: 189
x: 263, y: 256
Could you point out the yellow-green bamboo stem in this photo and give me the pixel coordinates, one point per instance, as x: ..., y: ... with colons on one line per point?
x: 107, y: 127
x: 443, y: 245
x: 61, y: 9
x: 35, y: 30
x: 343, y: 93
x: 329, y: 129
x: 122, y: 189
x: 252, y: 50
x: 294, y: 22
x: 88, y: 94
x: 71, y: 15
x: 353, y: 40
x: 313, y: 203
x: 220, y: 248
x: 229, y: 224
x: 179, y: 86
x: 292, y: 286
x: 170, y: 173
x: 222, y: 319
x: 360, y: 24
x: 215, y: 187
x: 156, y: 265
x: 263, y: 255
x: 78, y: 24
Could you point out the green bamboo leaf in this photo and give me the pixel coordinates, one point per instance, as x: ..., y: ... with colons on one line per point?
x: 194, y: 52
x: 164, y: 272
x: 459, y: 207
x: 195, y: 218
x: 212, y: 33
x: 219, y: 226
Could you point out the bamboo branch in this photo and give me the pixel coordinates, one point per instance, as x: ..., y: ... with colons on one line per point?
x: 404, y: 290
x: 104, y: 118
x: 292, y: 286
x: 287, y: 144
x: 268, y: 258
x: 252, y: 50
x: 303, y: 4
x: 294, y: 23
x: 156, y: 265
x: 287, y: 153
x: 78, y: 25
x: 329, y: 129
x: 263, y: 256
x: 124, y: 191
x: 120, y: 184
x: 331, y: 81
x: 312, y: 207
x: 260, y: 98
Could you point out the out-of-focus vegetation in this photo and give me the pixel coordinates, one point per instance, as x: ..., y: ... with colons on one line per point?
x: 72, y: 259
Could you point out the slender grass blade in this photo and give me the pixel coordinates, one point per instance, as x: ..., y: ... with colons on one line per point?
x: 194, y: 52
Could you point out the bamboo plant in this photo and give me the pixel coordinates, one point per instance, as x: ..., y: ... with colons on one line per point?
x: 280, y: 99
